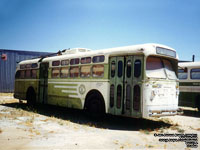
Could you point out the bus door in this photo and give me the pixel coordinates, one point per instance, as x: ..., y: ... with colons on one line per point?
x: 132, y: 86
x: 43, y: 84
x: 125, y: 85
x: 116, y: 85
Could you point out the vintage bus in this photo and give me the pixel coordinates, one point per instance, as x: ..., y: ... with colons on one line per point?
x: 189, y: 76
x: 135, y: 81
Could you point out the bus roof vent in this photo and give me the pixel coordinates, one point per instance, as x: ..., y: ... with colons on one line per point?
x: 75, y: 50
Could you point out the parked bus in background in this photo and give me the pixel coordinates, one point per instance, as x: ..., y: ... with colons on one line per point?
x: 189, y: 76
x: 135, y: 81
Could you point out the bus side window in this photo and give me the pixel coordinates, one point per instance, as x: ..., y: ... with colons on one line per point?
x: 22, y: 66
x: 33, y: 73
x: 56, y: 63
x: 74, y: 61
x: 64, y: 72
x: 120, y: 68
x: 182, y: 73
x: 74, y: 71
x: 98, y: 59
x: 85, y: 71
x: 128, y: 69
x: 113, y: 69
x: 195, y: 73
x: 65, y: 62
x: 112, y: 92
x: 98, y: 70
x: 86, y: 60
x: 22, y: 74
x: 55, y: 72
x: 119, y: 95
x: 137, y: 68
x: 28, y: 74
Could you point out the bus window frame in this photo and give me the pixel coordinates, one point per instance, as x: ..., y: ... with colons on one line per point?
x: 191, y: 70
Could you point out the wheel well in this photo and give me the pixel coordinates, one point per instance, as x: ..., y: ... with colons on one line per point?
x: 96, y: 92
x: 30, y: 91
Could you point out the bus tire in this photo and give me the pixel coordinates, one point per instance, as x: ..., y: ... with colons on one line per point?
x: 95, y: 105
x: 31, y: 97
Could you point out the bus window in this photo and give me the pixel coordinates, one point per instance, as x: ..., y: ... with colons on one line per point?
x: 74, y: 61
x: 55, y: 73
x: 34, y: 65
x: 112, y: 91
x: 85, y: 71
x: 154, y: 68
x: 22, y: 74
x: 97, y: 59
x: 113, y: 69
x: 74, y: 71
x: 33, y: 73
x: 64, y: 62
x: 137, y: 68
x: 28, y: 66
x: 128, y: 69
x: 119, y: 96
x: 128, y: 97
x: 169, y: 69
x: 98, y: 70
x: 56, y: 63
x: 195, y: 73
x: 136, y: 97
x: 28, y: 74
x: 64, y: 72
x: 120, y: 68
x: 22, y: 66
x: 86, y: 60
x: 182, y: 73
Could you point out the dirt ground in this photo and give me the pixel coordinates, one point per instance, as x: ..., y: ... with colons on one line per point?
x: 55, y: 128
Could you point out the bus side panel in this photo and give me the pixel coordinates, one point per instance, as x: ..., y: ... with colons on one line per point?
x: 63, y: 94
x: 19, y: 91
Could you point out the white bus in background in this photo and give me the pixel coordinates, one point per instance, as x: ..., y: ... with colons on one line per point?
x: 135, y: 81
x: 189, y: 76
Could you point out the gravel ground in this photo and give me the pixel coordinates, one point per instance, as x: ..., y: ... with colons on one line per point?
x: 55, y: 128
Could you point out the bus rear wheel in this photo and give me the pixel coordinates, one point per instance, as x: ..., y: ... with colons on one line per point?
x: 95, y: 106
x: 31, y: 97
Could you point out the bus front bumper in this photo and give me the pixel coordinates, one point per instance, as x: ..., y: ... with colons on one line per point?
x: 160, y: 113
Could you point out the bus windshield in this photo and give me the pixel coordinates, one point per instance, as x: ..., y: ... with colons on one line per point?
x: 160, y: 68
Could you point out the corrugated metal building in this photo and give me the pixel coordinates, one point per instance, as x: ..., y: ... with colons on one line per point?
x: 8, y: 63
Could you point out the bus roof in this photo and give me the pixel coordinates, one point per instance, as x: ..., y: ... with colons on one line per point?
x: 146, y: 49
x: 189, y: 64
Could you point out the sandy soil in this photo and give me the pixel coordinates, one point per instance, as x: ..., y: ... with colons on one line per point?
x: 54, y: 128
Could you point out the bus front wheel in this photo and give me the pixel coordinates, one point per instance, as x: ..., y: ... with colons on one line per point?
x: 95, y: 106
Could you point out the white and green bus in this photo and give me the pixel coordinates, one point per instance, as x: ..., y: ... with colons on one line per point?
x: 189, y: 76
x: 135, y: 81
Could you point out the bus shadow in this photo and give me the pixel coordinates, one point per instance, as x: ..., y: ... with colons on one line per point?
x: 191, y: 113
x: 80, y: 117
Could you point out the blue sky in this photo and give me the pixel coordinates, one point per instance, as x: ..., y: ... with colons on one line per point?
x: 52, y: 25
